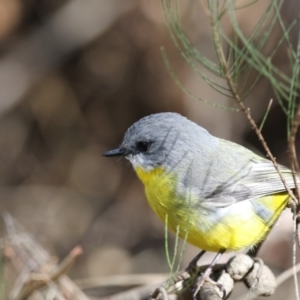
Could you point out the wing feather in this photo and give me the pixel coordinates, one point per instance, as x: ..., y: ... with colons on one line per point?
x: 262, y: 180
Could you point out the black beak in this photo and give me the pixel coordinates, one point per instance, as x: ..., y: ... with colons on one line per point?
x: 115, y: 152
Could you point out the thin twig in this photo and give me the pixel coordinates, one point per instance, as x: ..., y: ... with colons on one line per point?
x: 42, y: 266
x: 287, y: 274
x: 125, y: 280
x: 38, y: 280
x: 292, y: 148
x: 295, y: 221
x: 228, y: 77
x: 295, y: 168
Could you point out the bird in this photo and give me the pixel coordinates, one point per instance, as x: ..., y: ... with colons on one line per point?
x: 217, y: 195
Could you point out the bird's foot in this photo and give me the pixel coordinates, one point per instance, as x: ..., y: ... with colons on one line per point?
x: 204, y: 277
x: 259, y: 272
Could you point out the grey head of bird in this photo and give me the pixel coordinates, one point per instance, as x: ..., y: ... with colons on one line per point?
x: 163, y: 139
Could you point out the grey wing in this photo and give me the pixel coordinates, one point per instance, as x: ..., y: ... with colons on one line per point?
x: 261, y: 179
x: 230, y: 173
x: 264, y: 179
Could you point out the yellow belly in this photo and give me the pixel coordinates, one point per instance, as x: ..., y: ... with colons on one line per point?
x: 238, y: 227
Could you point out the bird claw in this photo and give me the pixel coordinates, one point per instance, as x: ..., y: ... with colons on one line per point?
x: 201, y: 280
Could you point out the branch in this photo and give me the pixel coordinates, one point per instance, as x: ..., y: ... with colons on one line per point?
x: 38, y: 280
x: 230, y: 82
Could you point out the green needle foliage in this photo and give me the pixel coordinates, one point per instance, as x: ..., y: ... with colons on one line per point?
x: 238, y: 55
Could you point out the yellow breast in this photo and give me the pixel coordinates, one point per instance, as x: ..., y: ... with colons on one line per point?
x: 159, y: 189
x: 234, y: 227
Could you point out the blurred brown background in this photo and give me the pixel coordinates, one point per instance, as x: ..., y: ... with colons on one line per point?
x: 73, y: 76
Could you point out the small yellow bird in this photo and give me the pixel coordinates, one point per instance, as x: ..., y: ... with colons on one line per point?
x: 221, y: 196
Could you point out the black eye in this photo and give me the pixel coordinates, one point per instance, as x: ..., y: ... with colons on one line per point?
x: 142, y: 146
